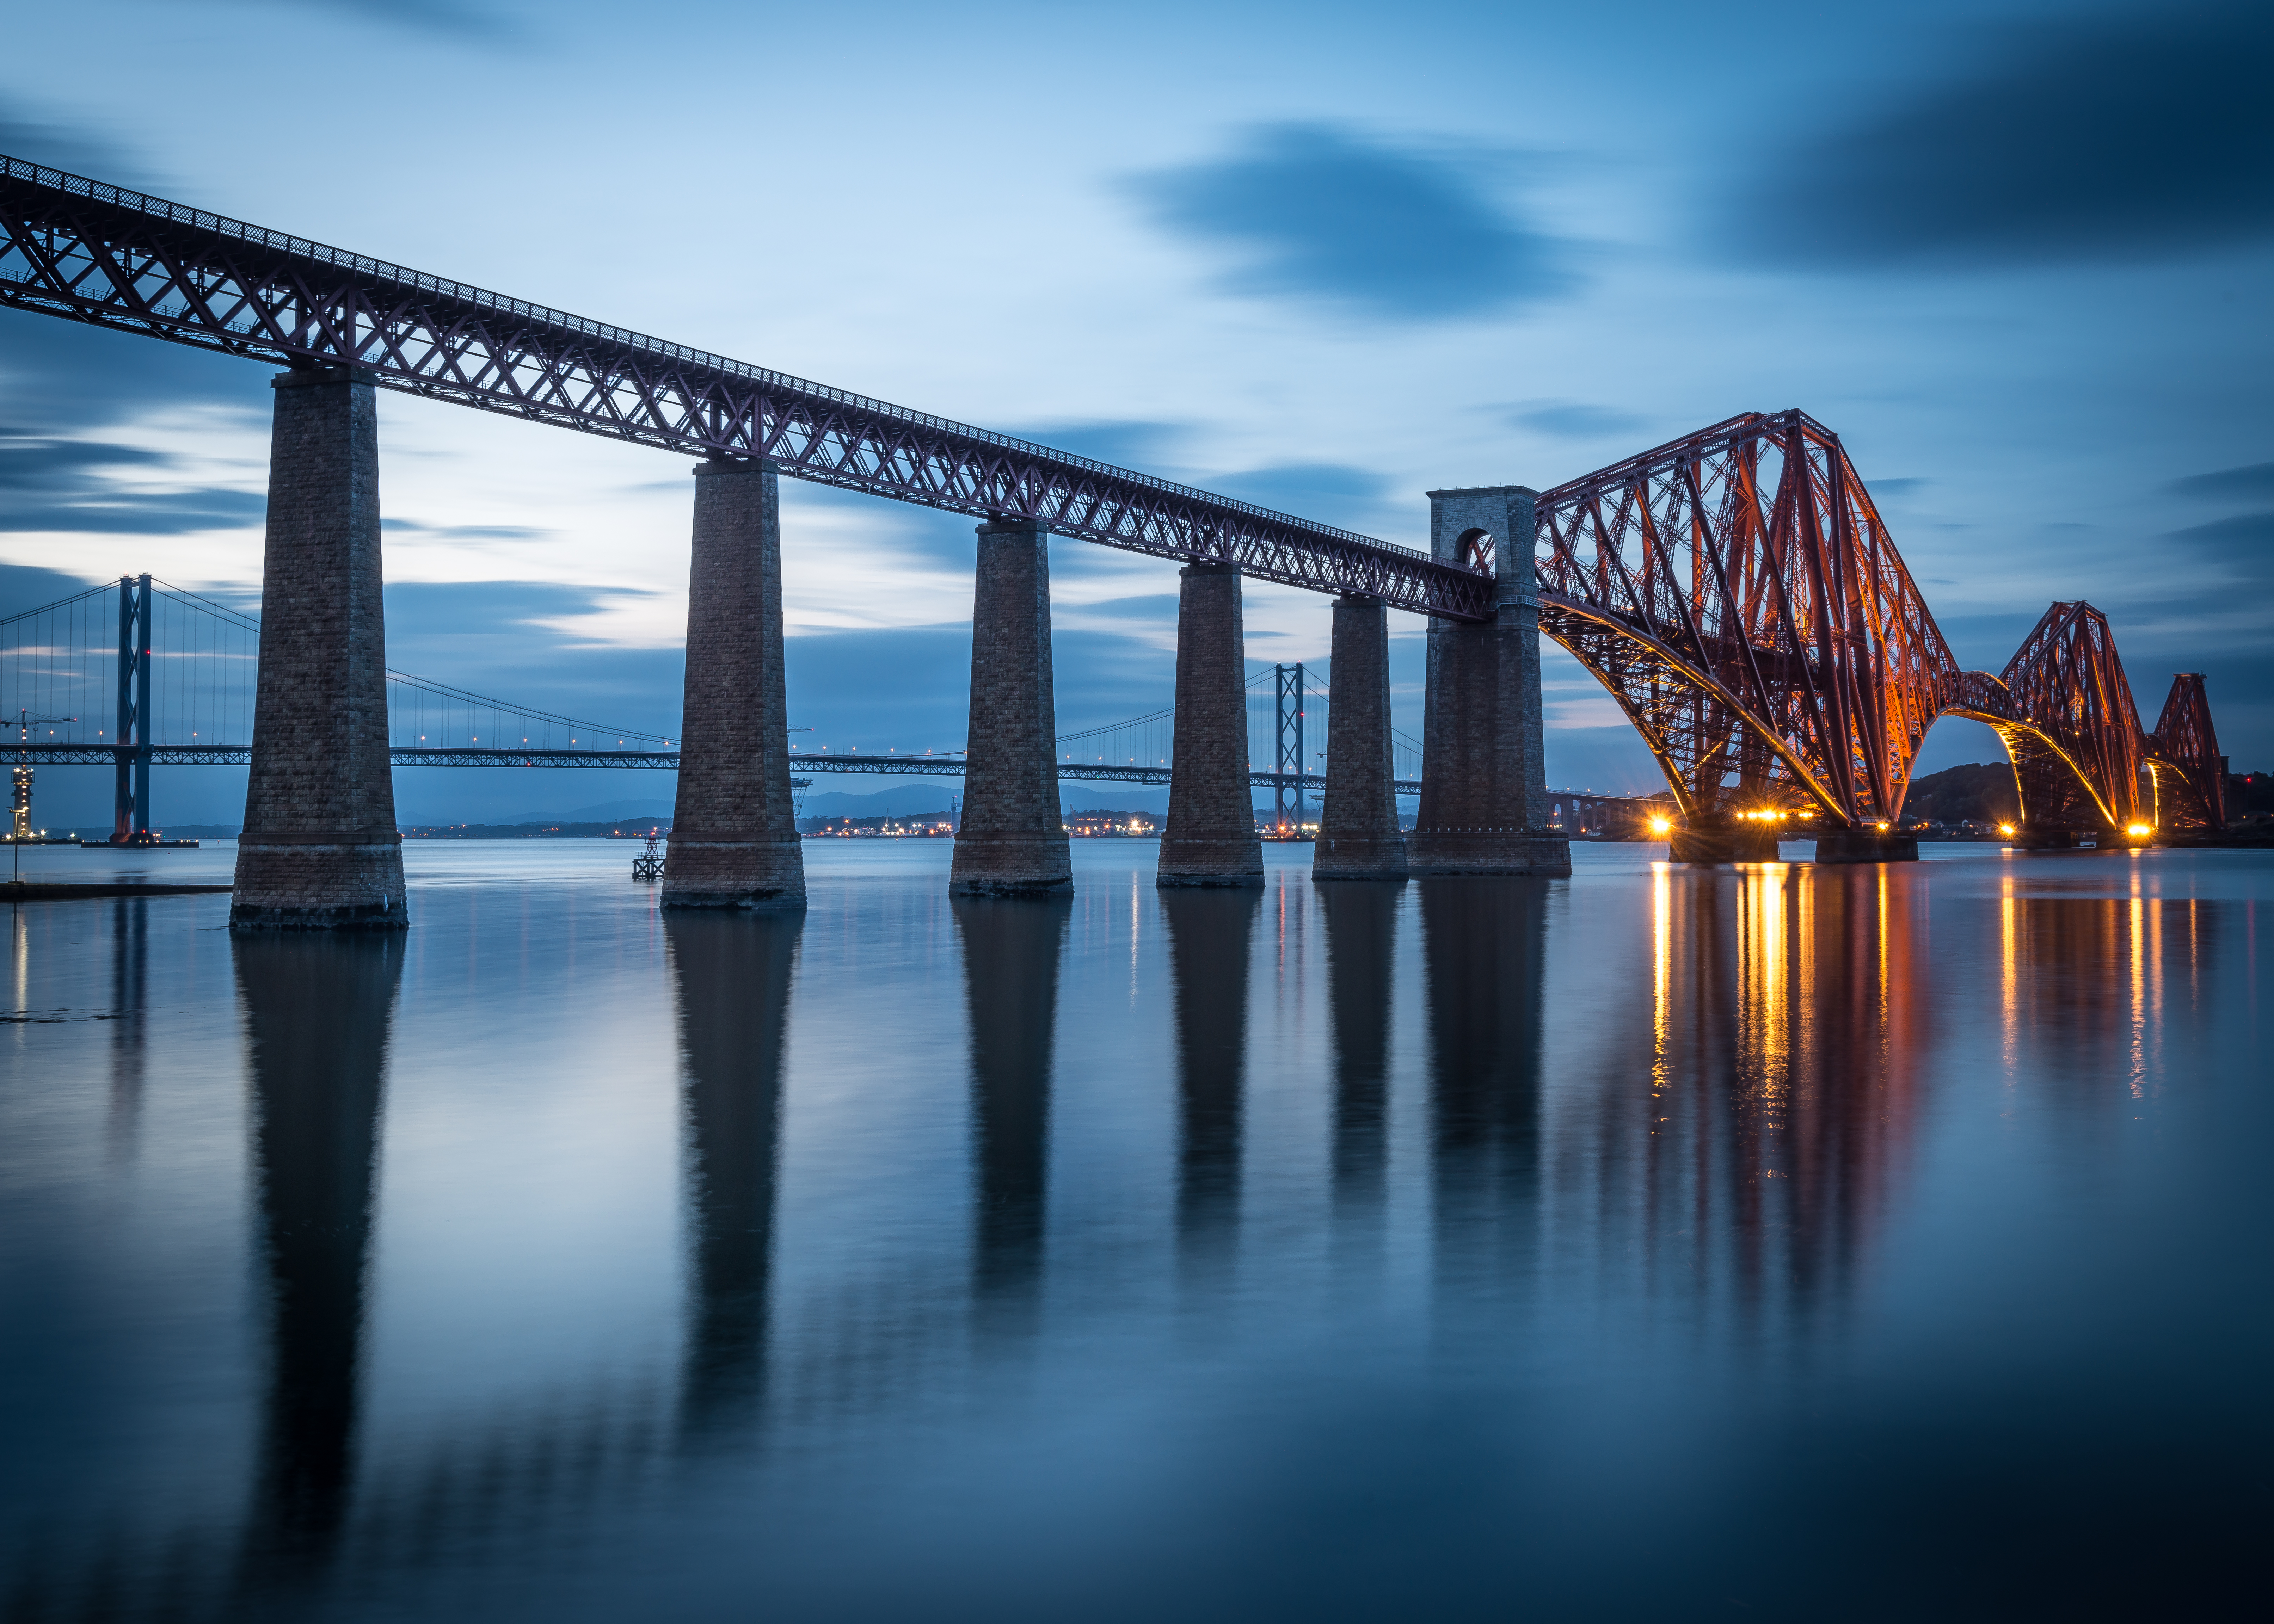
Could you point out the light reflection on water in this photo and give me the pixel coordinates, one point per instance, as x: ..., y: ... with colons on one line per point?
x: 1797, y: 1241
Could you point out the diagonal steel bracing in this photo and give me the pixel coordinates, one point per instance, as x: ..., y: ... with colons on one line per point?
x: 93, y: 252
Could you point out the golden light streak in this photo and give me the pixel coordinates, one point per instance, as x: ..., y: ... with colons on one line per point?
x: 2009, y: 971
x: 1661, y: 973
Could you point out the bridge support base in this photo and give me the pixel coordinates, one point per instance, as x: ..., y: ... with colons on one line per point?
x: 1012, y: 841
x: 733, y: 836
x: 1210, y: 839
x: 1865, y: 846
x: 1484, y: 779
x: 2044, y: 840
x: 1359, y: 837
x: 320, y: 849
x: 1717, y: 841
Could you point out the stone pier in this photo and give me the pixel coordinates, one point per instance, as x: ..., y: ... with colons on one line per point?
x: 734, y: 835
x: 320, y: 849
x: 1012, y: 840
x: 1484, y: 781
x: 1358, y: 837
x: 1210, y: 839
x: 1723, y: 840
x: 1866, y: 845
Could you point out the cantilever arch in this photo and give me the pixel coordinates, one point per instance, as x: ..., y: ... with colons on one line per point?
x: 734, y: 834
x: 1210, y: 839
x: 1484, y: 779
x: 1012, y: 839
x: 319, y: 850
x: 1359, y: 837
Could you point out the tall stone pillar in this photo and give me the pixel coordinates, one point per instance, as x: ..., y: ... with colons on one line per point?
x: 1210, y: 839
x: 1359, y: 837
x: 1484, y: 779
x: 1012, y: 840
x: 734, y: 832
x: 319, y: 850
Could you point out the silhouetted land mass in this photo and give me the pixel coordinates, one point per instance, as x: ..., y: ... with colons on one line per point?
x: 1979, y: 792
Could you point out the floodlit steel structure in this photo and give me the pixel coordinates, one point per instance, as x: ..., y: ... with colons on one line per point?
x: 1739, y: 595
x: 79, y: 248
x: 2187, y: 755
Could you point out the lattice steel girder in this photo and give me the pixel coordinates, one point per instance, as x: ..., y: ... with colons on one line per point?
x: 1808, y: 653
x: 2185, y: 746
x: 2066, y: 686
x: 1698, y: 730
x: 161, y: 754
x: 73, y: 247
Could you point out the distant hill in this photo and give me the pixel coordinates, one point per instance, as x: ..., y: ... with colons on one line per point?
x: 1979, y: 793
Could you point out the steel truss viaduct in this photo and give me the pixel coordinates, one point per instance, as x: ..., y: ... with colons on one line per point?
x: 1735, y: 591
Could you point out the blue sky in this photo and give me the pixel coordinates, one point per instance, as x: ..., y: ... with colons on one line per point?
x: 1324, y: 257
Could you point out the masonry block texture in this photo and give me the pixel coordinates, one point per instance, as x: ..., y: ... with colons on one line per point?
x: 1012, y: 840
x: 1865, y: 846
x: 1210, y: 837
x: 1483, y: 776
x: 1722, y: 841
x: 734, y: 832
x: 319, y: 850
x: 1359, y: 837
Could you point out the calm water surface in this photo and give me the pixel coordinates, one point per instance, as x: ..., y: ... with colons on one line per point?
x: 1661, y: 1244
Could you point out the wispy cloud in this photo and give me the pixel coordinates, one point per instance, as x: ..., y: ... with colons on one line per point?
x: 71, y: 487
x: 1570, y: 419
x: 1325, y: 212
x: 2254, y: 483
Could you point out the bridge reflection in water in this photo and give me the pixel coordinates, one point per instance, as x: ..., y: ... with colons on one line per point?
x: 1701, y: 1092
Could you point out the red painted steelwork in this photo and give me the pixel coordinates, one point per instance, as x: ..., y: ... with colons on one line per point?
x: 1739, y: 595
x: 2190, y: 774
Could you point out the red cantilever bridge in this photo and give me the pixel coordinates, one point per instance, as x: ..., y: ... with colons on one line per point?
x: 1735, y: 591
x: 1739, y: 595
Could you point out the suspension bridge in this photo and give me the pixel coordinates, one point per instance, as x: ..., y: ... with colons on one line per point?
x: 1735, y: 591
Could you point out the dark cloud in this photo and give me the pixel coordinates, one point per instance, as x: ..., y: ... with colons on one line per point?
x: 26, y: 135
x: 1320, y: 212
x: 65, y: 486
x: 481, y: 636
x: 32, y: 464
x: 444, y: 18
x: 1896, y: 487
x: 465, y: 532
x: 1325, y: 493
x: 458, y: 608
x: 2240, y: 546
x: 61, y: 377
x: 1157, y: 606
x: 2135, y: 137
x: 1570, y: 420
x: 1144, y: 447
x: 30, y: 586
x: 2251, y: 483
